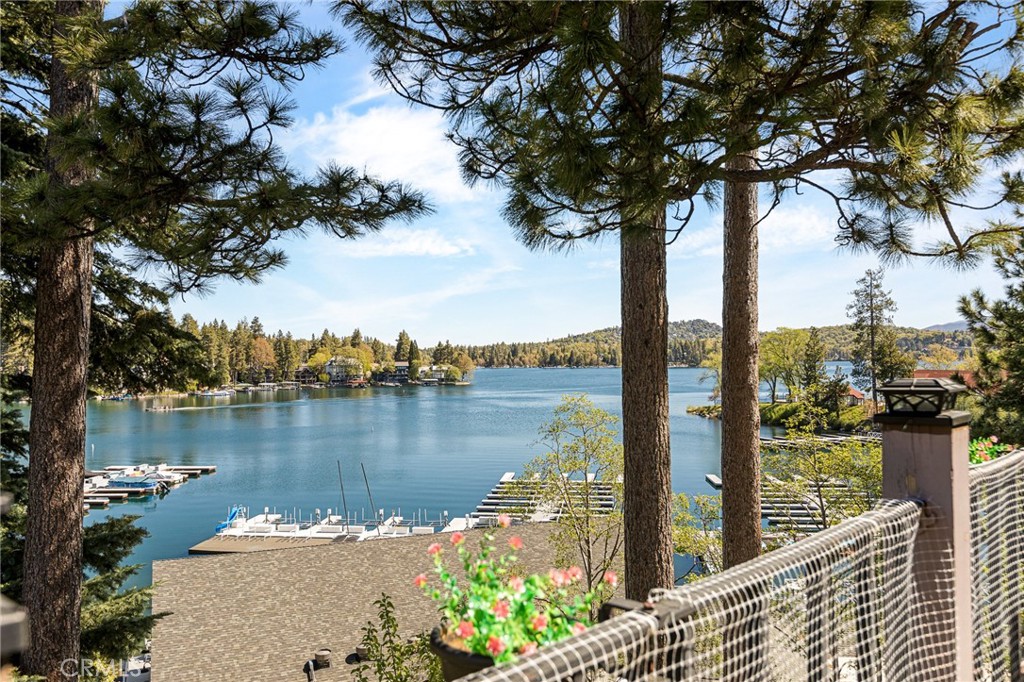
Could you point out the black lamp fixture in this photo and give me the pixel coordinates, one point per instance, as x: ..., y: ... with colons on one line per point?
x: 920, y: 397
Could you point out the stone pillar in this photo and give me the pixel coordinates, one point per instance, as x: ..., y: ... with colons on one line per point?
x: 926, y: 458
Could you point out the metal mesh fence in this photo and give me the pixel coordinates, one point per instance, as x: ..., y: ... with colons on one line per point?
x: 841, y: 605
x: 997, y: 567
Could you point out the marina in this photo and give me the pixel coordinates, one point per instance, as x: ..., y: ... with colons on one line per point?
x: 438, y: 449
x: 523, y: 499
x: 118, y: 482
x: 782, y: 509
x: 243, y: 533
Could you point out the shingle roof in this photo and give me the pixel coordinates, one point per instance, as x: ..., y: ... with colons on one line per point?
x: 259, y: 616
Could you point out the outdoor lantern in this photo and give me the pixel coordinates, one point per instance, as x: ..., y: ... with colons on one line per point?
x: 920, y: 397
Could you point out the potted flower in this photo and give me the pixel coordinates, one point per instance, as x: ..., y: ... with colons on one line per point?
x: 496, y: 614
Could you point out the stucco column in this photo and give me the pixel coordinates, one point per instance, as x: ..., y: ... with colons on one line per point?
x: 926, y: 458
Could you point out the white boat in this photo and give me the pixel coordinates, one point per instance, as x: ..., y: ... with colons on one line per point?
x: 143, y: 482
x: 158, y: 472
x: 332, y: 526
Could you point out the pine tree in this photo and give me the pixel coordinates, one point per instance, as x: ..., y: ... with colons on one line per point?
x: 876, y: 357
x: 998, y: 328
x: 175, y: 164
x: 812, y: 367
x: 402, y: 347
x: 604, y: 117
x: 115, y: 621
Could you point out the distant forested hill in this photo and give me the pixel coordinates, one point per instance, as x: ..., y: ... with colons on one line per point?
x: 838, y: 340
x: 689, y: 343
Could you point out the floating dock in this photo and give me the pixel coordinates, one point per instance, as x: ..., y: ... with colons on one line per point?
x: 523, y: 499
x: 786, y: 510
x: 228, y: 544
x: 528, y: 499
x: 100, y: 493
x: 272, y: 530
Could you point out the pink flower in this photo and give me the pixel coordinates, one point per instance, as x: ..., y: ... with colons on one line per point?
x: 457, y: 538
x: 495, y: 645
x: 611, y: 578
x: 528, y: 648
x: 577, y: 628
x: 515, y: 542
x: 501, y: 608
x: 434, y: 549
x: 994, y: 439
x: 574, y: 572
x: 504, y: 520
x: 420, y: 580
x: 539, y: 622
x: 465, y: 630
x: 516, y: 583
x: 558, y: 577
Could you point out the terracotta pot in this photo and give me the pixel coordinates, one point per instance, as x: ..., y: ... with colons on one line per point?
x: 455, y: 662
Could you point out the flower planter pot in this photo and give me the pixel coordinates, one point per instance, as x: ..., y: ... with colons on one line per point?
x: 455, y: 662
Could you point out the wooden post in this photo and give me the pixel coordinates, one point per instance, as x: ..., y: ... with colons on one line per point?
x: 926, y: 458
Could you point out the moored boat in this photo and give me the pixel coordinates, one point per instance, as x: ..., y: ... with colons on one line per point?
x: 143, y: 482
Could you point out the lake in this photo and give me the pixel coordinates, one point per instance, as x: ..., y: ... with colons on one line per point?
x: 438, y: 448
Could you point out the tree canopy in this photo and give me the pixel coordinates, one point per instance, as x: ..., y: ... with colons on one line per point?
x: 149, y: 135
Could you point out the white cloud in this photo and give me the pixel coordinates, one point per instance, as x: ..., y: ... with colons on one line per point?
x: 694, y: 242
x: 604, y: 265
x: 796, y: 228
x: 405, y: 241
x: 787, y: 229
x: 400, y: 310
x: 392, y: 142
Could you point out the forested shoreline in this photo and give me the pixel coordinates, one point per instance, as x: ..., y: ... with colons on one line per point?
x: 215, y: 353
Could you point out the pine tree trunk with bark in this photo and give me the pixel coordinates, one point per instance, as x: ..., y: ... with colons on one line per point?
x: 741, y: 418
x: 53, y: 543
x: 647, y: 470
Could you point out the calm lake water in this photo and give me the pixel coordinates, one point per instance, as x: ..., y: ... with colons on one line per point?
x: 433, y: 448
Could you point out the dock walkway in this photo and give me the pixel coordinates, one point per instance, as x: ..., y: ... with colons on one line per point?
x: 526, y: 498
x: 99, y: 492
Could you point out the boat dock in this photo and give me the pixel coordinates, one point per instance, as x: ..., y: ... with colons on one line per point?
x: 526, y: 498
x: 828, y: 437
x: 117, y: 483
x: 272, y: 530
x: 523, y: 499
x: 785, y: 509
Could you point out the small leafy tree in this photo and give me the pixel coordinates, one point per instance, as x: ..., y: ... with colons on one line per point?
x: 581, y: 454
x: 391, y: 658
x: 696, y: 530
x: 712, y: 365
x: 835, y: 481
x: 780, y: 357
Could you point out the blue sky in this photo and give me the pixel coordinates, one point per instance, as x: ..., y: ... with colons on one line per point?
x: 459, y: 274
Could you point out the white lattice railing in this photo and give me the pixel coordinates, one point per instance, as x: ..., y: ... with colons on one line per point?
x: 842, y: 605
x: 997, y: 566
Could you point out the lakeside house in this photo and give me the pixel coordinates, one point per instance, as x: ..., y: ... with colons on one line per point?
x: 963, y: 376
x: 344, y: 371
x: 305, y: 376
x: 400, y: 374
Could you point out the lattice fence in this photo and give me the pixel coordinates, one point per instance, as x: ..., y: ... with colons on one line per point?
x: 997, y: 567
x: 840, y: 605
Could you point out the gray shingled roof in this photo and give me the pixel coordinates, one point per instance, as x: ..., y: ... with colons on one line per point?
x: 259, y: 616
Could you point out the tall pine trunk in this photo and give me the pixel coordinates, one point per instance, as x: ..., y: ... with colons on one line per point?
x: 647, y: 470
x: 53, y: 543
x: 741, y: 419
